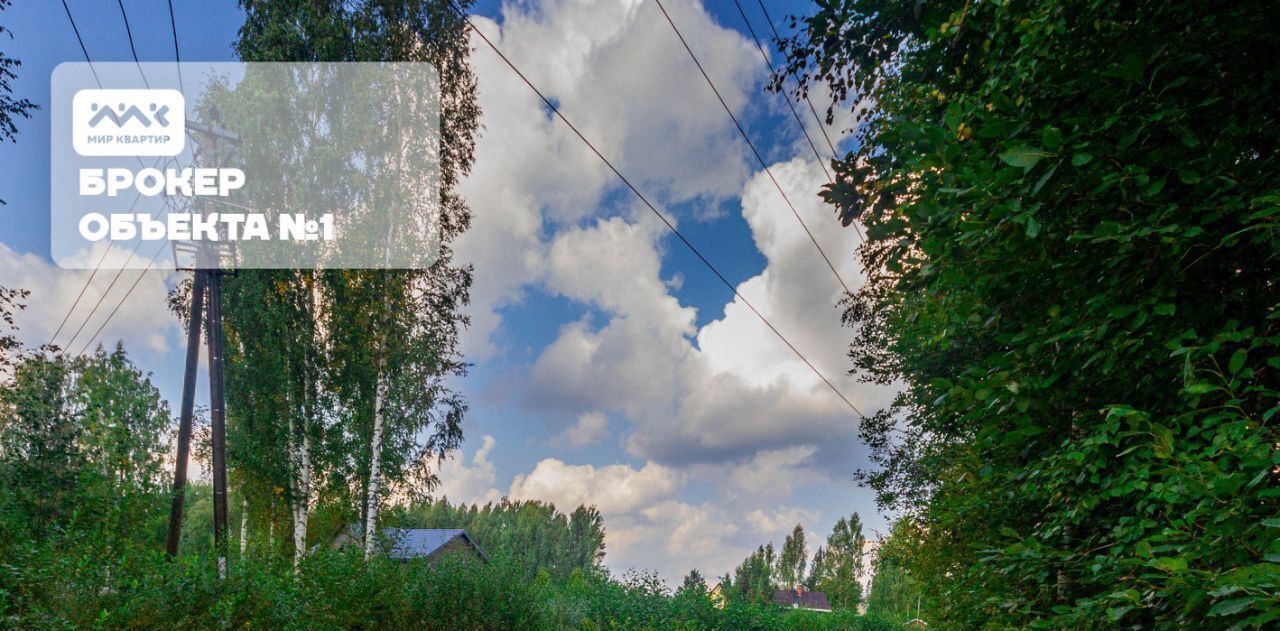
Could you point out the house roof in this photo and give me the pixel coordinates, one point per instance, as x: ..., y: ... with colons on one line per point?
x: 803, y: 600
x: 409, y: 543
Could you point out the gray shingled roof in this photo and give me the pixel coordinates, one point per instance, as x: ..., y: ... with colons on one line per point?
x: 805, y: 600
x: 411, y: 543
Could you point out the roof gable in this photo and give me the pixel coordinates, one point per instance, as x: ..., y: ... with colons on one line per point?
x: 411, y: 543
x: 804, y: 600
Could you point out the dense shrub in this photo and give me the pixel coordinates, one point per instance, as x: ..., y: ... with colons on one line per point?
x: 66, y: 583
x: 1071, y: 248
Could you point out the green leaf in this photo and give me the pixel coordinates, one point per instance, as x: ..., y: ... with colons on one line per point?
x: 1045, y: 178
x: 1051, y: 137
x: 1143, y: 549
x: 1200, y: 388
x: 1232, y: 607
x: 1116, y: 613
x: 1188, y: 138
x: 1225, y: 590
x: 1033, y: 227
x: 1024, y: 156
x: 1164, y: 309
x: 953, y: 117
x: 1237, y: 360
x: 1170, y: 564
x: 1271, y: 522
x: 1081, y: 159
x: 1163, y: 444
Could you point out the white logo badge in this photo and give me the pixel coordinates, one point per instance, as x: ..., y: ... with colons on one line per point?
x: 128, y: 122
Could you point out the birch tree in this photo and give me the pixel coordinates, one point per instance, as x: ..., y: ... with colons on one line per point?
x: 361, y: 358
x: 792, y: 559
x: 271, y: 386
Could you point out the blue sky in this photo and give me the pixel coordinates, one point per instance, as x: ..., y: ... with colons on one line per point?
x: 610, y: 367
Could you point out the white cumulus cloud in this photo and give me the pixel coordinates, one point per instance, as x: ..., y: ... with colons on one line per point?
x: 726, y: 420
x: 614, y: 489
x: 470, y: 483
x: 590, y: 427
x: 142, y: 321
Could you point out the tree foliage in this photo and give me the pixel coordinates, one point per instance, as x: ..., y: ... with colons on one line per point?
x: 835, y: 570
x: 10, y: 304
x: 81, y: 441
x: 838, y: 566
x: 693, y: 585
x: 753, y: 579
x: 10, y: 108
x: 337, y: 379
x: 1071, y: 210
x: 894, y: 593
x: 792, y: 560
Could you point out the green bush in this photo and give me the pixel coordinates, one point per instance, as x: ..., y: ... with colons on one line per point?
x: 68, y: 582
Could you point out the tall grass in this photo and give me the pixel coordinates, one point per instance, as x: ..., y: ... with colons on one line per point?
x: 73, y: 586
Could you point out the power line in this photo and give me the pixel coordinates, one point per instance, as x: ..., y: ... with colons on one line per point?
x: 128, y: 31
x: 594, y: 150
x: 97, y: 267
x: 72, y: 310
x: 83, y: 49
x: 742, y: 130
x: 125, y: 297
x: 177, y: 55
x: 105, y: 292
x: 821, y: 126
x: 794, y: 114
x: 103, y: 326
x: 136, y: 280
x: 119, y: 272
x: 654, y: 209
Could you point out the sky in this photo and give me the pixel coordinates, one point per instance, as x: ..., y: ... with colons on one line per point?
x: 609, y: 366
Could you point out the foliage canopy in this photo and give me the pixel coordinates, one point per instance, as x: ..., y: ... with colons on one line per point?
x: 1071, y: 210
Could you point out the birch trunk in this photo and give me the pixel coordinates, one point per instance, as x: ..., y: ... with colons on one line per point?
x: 375, y: 466
x: 380, y: 391
x: 295, y: 489
x: 244, y: 523
x: 375, y: 444
x: 302, y: 492
x: 302, y: 498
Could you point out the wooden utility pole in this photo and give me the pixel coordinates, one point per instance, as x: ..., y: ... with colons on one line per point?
x: 217, y: 417
x: 184, y: 418
x: 207, y: 280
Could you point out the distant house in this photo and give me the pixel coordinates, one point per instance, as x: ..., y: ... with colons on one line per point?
x: 800, y: 598
x: 716, y: 594
x: 416, y: 543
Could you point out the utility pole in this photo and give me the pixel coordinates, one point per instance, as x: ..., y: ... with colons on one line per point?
x: 217, y: 416
x: 207, y: 279
x: 184, y: 418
